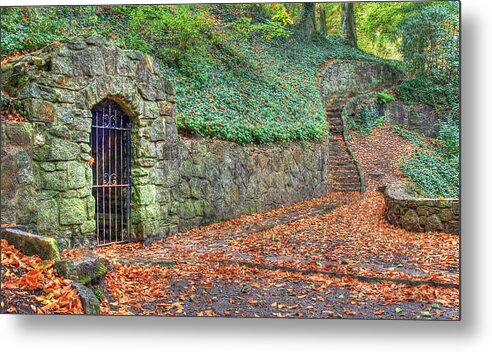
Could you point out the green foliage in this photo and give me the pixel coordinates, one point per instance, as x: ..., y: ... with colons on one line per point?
x: 376, y: 26
x: 184, y: 34
x: 413, y: 137
x: 434, y: 172
x: 434, y: 169
x: 10, y: 107
x: 385, y: 97
x: 272, y: 29
x: 430, y: 41
x: 24, y: 29
x: 368, y: 120
x: 449, y: 135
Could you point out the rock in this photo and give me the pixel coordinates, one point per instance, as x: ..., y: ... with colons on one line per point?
x: 46, y: 112
x: 18, y: 133
x: 47, y: 211
x: 411, y: 221
x: 54, y: 181
x: 145, y: 195
x: 76, y: 175
x: 62, y: 150
x: 433, y: 223
x: 89, y: 300
x: 72, y: 211
x: 90, y: 269
x: 350, y: 77
x: 32, y: 244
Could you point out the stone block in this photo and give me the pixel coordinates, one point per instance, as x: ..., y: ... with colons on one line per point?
x: 423, y: 211
x: 62, y: 150
x: 433, y: 223
x: 47, y: 214
x: 446, y: 214
x: 166, y: 108
x: 45, y: 113
x: 186, y: 210
x: 54, y: 181
x: 76, y: 175
x: 411, y: 221
x: 18, y: 133
x: 145, y: 194
x: 73, y: 211
x: 24, y: 168
x: 32, y: 244
x: 90, y: 302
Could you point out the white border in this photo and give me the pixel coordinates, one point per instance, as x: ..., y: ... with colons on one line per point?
x: 53, y: 333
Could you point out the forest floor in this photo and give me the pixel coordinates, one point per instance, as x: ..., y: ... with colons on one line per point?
x: 330, y: 257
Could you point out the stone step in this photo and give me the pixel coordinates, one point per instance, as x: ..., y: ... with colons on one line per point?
x: 344, y: 170
x: 338, y: 190
x: 344, y: 185
x: 338, y: 150
x: 342, y: 163
x: 345, y: 180
x: 336, y: 121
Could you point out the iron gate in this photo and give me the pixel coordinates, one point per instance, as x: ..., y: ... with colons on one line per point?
x: 111, y: 170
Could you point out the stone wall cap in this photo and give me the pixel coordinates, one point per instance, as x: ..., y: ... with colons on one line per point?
x: 398, y: 191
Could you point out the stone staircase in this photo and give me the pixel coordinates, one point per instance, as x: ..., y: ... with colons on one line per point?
x: 343, y: 173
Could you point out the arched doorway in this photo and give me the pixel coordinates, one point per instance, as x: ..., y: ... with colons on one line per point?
x: 111, y: 170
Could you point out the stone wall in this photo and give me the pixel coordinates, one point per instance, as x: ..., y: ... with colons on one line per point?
x: 177, y: 184
x: 18, y: 188
x: 421, y: 214
x: 419, y: 118
x: 222, y: 180
x: 342, y: 78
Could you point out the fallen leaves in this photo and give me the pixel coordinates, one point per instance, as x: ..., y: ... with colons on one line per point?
x: 31, y: 285
x: 379, y: 155
x: 335, y: 256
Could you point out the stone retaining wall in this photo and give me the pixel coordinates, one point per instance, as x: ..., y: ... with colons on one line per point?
x: 177, y: 184
x: 222, y: 180
x: 421, y: 214
x: 419, y: 118
x: 342, y: 78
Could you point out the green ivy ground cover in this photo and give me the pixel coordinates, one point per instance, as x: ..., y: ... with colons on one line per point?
x: 245, y: 89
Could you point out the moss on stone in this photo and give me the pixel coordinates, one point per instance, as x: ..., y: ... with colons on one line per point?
x: 72, y: 211
x: 84, y: 279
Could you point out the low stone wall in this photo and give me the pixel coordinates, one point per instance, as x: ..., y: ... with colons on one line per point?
x: 421, y: 214
x: 419, y: 118
x: 343, y: 78
x: 221, y: 180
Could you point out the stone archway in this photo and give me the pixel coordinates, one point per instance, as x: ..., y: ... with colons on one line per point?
x: 59, y: 87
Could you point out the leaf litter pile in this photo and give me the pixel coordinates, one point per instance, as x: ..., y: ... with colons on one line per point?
x: 31, y: 285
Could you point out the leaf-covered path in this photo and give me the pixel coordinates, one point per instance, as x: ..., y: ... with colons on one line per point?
x: 331, y: 257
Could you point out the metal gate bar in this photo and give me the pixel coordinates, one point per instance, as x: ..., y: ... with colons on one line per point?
x: 111, y: 168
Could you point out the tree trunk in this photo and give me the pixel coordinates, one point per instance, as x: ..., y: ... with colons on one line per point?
x: 322, y: 21
x: 348, y: 24
x: 307, y: 22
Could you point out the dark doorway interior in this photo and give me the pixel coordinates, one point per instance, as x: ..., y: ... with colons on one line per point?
x: 111, y: 169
